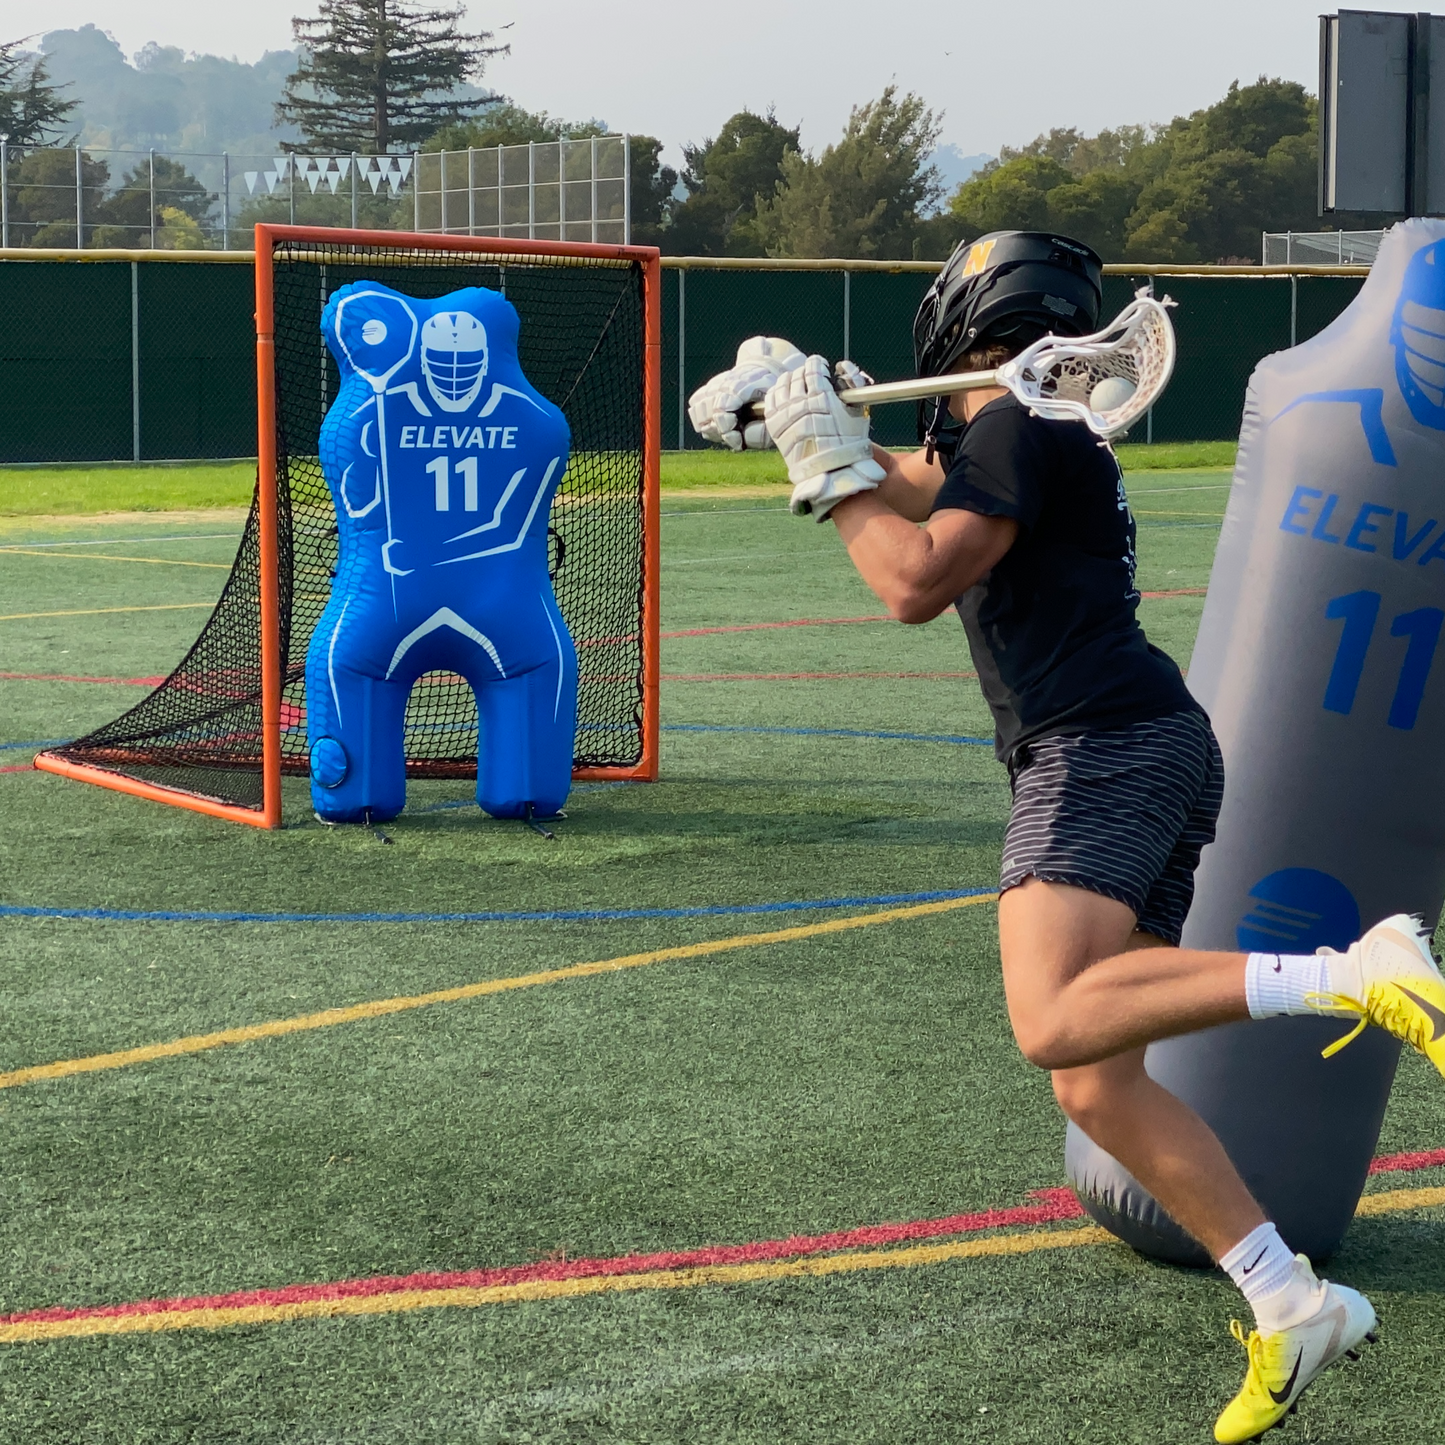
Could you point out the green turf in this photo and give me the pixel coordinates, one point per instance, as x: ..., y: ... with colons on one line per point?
x: 56, y: 491
x: 816, y: 1085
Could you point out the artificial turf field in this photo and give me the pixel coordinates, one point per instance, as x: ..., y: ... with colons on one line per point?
x: 741, y: 1117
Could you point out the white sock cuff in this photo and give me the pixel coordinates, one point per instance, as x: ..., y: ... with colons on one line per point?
x: 1282, y: 983
x: 1260, y: 1264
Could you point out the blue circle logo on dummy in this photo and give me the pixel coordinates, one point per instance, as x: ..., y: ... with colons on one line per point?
x: 1418, y: 335
x: 1298, y: 910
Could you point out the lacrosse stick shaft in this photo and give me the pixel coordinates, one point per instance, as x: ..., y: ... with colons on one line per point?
x: 916, y: 388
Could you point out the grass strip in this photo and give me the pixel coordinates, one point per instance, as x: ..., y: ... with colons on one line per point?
x: 111, y: 557
x: 102, y: 611
x: 154, y: 1316
x: 379, y: 1008
x: 190, y: 486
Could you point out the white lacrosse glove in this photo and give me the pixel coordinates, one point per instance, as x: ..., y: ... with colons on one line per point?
x: 824, y: 442
x: 715, y: 407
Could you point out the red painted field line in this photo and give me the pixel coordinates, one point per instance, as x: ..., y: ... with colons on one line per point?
x: 1055, y: 1205
x: 19, y: 768
x: 766, y: 626
x: 65, y: 677
x: 800, y: 676
x: 1404, y: 1163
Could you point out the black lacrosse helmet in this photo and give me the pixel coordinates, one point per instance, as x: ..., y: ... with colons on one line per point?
x: 1007, y: 286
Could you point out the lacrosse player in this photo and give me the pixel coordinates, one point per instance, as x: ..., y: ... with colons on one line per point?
x: 1021, y: 524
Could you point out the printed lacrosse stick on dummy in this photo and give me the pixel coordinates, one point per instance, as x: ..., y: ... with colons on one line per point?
x: 1318, y: 661
x: 442, y: 460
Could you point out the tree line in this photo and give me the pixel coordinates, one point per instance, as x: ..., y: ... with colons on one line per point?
x: 381, y: 75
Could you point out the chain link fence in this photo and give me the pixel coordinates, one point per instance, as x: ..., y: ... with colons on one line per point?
x: 56, y: 197
x: 1321, y: 248
x: 154, y: 359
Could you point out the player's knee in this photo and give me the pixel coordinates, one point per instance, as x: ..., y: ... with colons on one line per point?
x: 1083, y: 1096
x: 1042, y: 1039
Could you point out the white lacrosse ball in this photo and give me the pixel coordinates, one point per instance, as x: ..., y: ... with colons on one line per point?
x: 1110, y: 394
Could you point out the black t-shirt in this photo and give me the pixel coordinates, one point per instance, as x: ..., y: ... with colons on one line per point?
x: 1052, y: 628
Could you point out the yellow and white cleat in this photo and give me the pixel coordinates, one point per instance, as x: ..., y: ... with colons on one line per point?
x: 1282, y: 1364
x: 1399, y: 989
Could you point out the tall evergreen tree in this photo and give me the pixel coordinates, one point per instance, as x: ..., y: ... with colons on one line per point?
x: 32, y: 111
x: 381, y: 73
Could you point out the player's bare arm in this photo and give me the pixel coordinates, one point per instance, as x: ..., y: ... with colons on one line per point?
x: 910, y: 481
x: 918, y: 571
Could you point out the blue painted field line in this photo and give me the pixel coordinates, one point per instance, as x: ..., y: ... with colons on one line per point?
x: 43, y: 743
x: 957, y: 739
x: 591, y: 915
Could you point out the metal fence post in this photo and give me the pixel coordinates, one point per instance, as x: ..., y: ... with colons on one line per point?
x: 135, y: 361
x: 5, y: 191
x: 1294, y: 310
x: 291, y: 173
x: 847, y: 315
x: 561, y: 190
x: 225, y: 200
x: 594, y: 189
x: 153, y: 200
x: 416, y: 190
x: 472, y: 190
x: 79, y: 202
x: 531, y: 190
x: 442, y: 182
x: 355, y: 166
x: 681, y: 359
x: 626, y: 190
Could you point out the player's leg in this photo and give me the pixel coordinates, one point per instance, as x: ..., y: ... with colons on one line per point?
x: 1304, y: 1324
x: 1050, y: 935
x: 1145, y: 993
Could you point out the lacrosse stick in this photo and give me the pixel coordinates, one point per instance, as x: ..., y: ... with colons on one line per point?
x: 1107, y: 380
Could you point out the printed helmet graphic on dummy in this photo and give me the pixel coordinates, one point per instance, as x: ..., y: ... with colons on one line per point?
x: 454, y: 358
x: 1418, y: 336
x: 1007, y: 286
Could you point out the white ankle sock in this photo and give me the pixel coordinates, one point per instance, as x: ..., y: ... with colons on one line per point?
x: 1264, y: 1269
x: 1281, y: 983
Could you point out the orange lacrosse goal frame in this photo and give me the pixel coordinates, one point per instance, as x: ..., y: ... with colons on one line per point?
x: 487, y: 250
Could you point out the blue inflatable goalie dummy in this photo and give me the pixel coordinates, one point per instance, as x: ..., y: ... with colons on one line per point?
x: 442, y: 460
x: 1317, y: 660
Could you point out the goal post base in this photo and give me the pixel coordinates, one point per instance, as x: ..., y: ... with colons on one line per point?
x: 157, y: 793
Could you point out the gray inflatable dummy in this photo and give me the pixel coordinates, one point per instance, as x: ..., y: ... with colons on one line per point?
x: 1317, y: 660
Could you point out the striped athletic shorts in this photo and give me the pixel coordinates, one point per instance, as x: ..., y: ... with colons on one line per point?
x: 1123, y: 812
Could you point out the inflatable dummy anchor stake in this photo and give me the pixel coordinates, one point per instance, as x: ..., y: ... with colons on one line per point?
x: 442, y: 460
x: 1317, y: 660
x: 536, y: 824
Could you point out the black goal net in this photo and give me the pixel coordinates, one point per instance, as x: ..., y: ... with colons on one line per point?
x: 581, y: 346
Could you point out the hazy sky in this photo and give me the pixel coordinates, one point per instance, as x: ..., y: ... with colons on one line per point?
x: 1001, y: 71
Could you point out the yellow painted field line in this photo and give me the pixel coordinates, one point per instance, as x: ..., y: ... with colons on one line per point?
x: 135, y: 1320
x: 99, y: 611
x: 465, y: 1297
x: 1392, y: 1201
x: 111, y: 557
x: 329, y: 1018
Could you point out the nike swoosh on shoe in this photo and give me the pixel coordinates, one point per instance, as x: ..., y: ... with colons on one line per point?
x: 1280, y: 1396
x: 1436, y: 1017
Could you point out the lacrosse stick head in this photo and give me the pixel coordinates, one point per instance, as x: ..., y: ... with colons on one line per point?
x: 1074, y: 379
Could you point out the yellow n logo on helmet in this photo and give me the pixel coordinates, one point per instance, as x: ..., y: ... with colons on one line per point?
x: 978, y: 255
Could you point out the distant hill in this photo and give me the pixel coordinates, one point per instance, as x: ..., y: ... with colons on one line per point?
x: 166, y: 99
x: 954, y: 168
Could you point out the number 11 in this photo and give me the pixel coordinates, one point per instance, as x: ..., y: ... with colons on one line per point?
x: 467, y: 470
x: 1359, y: 611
